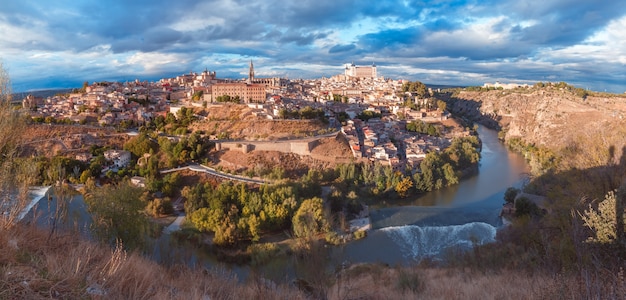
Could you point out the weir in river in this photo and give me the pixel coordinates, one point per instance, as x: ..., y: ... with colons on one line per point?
x: 459, y: 216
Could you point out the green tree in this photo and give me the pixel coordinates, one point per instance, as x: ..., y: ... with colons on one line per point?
x: 86, y: 174
x: 197, y: 95
x: 310, y: 218
x: 510, y: 194
x: 441, y: 105
x: 170, y: 118
x: 525, y: 207
x: 205, y: 219
x: 450, y: 175
x: 368, y: 114
x: 415, y: 87
x: 140, y: 145
x: 159, y: 207
x: 118, y: 214
x: 227, y: 233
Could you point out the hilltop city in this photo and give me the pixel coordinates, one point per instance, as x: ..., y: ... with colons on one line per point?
x: 370, y: 110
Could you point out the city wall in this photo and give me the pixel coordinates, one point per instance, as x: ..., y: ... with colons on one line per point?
x: 297, y: 147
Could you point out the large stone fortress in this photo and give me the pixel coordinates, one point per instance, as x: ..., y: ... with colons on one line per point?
x: 360, y: 71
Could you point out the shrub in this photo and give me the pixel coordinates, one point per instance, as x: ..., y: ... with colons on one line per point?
x: 603, y: 221
x: 410, y: 281
x: 510, y: 194
x: 359, y: 234
x: 525, y: 207
x: 333, y: 238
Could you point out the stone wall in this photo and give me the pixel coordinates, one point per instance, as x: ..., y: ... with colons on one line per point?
x: 297, y: 147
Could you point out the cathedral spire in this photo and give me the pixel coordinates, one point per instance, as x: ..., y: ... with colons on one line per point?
x: 251, y: 74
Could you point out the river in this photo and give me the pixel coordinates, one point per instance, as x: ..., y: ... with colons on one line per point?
x: 463, y: 215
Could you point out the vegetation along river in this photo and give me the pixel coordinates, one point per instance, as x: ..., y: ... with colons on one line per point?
x: 457, y: 216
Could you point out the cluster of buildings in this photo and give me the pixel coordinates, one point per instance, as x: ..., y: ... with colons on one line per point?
x: 103, y: 103
x: 386, y: 141
x: 252, y: 90
x: 504, y: 86
x: 358, y: 89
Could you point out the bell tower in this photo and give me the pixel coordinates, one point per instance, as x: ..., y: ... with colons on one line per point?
x: 251, y: 73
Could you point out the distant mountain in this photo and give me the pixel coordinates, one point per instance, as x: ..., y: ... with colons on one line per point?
x: 443, y: 86
x: 40, y: 93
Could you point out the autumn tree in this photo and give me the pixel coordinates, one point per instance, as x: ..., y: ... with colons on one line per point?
x: 404, y: 186
x: 310, y: 219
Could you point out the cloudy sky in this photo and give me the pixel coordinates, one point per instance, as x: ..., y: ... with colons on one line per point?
x: 62, y: 43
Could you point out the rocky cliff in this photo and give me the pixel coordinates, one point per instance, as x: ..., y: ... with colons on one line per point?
x: 588, y: 131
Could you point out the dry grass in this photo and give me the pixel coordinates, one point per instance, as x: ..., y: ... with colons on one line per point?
x: 35, y: 267
x: 454, y: 283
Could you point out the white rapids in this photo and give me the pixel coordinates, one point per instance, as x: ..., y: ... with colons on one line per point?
x: 418, y: 242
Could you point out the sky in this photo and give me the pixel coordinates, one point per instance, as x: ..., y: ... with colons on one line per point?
x: 62, y: 43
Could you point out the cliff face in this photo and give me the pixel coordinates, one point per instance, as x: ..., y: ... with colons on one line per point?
x: 589, y: 131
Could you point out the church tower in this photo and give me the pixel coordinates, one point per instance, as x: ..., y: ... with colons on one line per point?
x: 251, y: 74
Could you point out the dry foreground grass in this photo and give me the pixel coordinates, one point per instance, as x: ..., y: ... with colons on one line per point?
x: 35, y: 265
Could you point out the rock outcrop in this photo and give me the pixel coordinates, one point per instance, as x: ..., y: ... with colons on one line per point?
x: 591, y: 129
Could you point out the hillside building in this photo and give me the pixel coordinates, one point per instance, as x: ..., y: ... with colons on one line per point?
x: 354, y: 71
x: 247, y: 92
x: 120, y: 158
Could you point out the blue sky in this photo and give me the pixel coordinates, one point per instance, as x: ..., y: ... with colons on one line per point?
x: 62, y: 43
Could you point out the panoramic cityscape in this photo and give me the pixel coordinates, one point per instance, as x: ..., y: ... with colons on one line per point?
x: 312, y: 150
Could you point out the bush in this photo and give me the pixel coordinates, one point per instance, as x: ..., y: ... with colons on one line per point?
x: 359, y: 234
x: 510, y: 194
x: 159, y: 207
x: 525, y: 207
x: 333, y: 238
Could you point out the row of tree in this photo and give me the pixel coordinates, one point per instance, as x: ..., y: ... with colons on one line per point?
x: 307, y: 112
x: 423, y: 128
x: 227, y: 98
x: 437, y: 169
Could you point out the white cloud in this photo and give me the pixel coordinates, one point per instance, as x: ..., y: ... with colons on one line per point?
x: 480, y: 32
x: 154, y: 63
x: 33, y: 36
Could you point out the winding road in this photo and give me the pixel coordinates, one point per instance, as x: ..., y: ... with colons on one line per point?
x: 211, y: 171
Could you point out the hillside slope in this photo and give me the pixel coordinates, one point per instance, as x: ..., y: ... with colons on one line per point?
x: 582, y: 129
